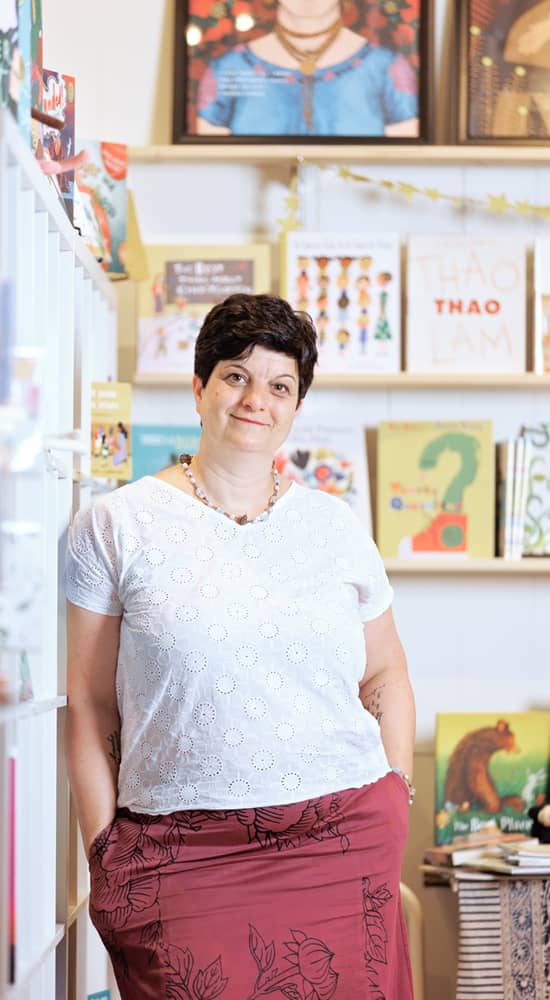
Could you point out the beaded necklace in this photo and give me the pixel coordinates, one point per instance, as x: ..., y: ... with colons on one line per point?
x: 185, y: 462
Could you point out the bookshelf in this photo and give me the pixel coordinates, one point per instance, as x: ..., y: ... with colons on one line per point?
x: 398, y: 380
x: 64, y: 315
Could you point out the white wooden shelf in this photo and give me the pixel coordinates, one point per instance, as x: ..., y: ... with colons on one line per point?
x: 395, y: 380
x: 16, y: 989
x: 449, y: 566
x: 24, y: 709
x: 409, y: 155
x: 76, y: 910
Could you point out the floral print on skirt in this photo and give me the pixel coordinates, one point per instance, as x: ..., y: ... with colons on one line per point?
x: 292, y: 901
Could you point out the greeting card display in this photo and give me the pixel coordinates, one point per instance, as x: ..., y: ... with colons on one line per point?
x: 436, y: 489
x: 466, y: 304
x: 350, y: 286
x: 183, y: 285
x: 331, y: 457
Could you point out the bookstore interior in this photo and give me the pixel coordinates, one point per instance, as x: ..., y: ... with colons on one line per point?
x: 411, y: 221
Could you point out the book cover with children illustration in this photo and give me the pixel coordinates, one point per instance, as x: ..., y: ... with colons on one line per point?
x: 111, y: 430
x: 350, y: 285
x: 491, y: 768
x: 184, y: 283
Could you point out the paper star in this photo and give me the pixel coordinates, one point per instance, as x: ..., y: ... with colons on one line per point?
x: 498, y: 203
x: 523, y: 207
x: 408, y: 190
x: 432, y: 193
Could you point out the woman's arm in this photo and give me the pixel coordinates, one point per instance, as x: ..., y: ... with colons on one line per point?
x: 92, y: 735
x: 386, y: 692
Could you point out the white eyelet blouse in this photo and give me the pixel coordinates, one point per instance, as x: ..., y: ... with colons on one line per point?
x: 241, y: 646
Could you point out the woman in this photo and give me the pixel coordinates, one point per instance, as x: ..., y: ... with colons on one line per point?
x: 240, y: 775
x: 309, y: 76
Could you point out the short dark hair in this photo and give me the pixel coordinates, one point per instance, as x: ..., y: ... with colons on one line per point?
x: 241, y: 322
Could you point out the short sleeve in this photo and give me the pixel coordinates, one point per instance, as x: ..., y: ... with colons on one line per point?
x: 368, y: 573
x: 213, y: 104
x: 400, y: 91
x: 376, y: 592
x: 91, y: 577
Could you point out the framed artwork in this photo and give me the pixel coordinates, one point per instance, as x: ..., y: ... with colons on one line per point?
x: 184, y: 283
x: 261, y: 69
x: 504, y: 76
x: 350, y: 285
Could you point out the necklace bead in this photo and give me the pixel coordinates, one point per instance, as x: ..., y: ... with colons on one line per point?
x: 185, y: 462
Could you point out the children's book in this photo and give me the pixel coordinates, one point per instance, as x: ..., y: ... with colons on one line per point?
x: 329, y: 456
x: 101, y: 201
x: 156, y: 446
x: 58, y: 101
x: 184, y: 283
x: 536, y: 536
x: 542, y: 305
x: 490, y: 767
x: 436, y: 489
x: 505, y: 491
x: 466, y: 304
x: 350, y: 285
x: 111, y: 443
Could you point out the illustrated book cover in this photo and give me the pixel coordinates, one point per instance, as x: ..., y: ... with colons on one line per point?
x: 536, y: 536
x: 491, y: 768
x: 101, y: 203
x: 329, y: 456
x: 58, y: 101
x: 542, y: 306
x: 466, y: 299
x: 111, y: 443
x: 350, y: 285
x: 436, y: 489
x: 184, y: 283
x: 156, y: 446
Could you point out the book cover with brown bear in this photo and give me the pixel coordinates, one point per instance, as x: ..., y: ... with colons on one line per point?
x: 490, y: 769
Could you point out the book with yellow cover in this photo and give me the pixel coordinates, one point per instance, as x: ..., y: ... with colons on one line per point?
x: 436, y: 489
x: 111, y: 446
x: 490, y: 769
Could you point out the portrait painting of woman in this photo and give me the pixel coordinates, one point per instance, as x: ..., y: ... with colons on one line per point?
x: 299, y: 68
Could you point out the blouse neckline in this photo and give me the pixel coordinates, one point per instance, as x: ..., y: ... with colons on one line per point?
x: 212, y: 510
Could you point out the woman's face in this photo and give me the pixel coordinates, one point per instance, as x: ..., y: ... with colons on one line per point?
x: 249, y: 403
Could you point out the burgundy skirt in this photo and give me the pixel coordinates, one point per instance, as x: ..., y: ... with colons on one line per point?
x: 298, y: 901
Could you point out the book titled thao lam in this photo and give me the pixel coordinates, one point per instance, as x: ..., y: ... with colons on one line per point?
x: 466, y: 299
x: 436, y: 489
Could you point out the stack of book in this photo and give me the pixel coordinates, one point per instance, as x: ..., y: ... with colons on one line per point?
x: 477, y: 857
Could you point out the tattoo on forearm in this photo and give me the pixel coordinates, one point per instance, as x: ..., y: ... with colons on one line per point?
x: 114, y: 740
x: 371, y: 701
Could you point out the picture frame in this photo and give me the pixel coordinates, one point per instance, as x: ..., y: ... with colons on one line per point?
x: 238, y: 78
x: 503, y: 72
x: 183, y: 283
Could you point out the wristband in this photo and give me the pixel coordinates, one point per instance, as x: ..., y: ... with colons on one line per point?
x: 408, y: 782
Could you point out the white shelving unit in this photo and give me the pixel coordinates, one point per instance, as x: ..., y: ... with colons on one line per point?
x: 64, y: 313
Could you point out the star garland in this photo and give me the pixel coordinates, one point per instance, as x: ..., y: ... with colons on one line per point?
x: 496, y: 204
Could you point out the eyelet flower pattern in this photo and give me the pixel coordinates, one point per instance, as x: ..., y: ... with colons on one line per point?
x: 253, y: 630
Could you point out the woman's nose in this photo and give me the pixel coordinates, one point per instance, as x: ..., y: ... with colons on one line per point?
x: 254, y: 397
